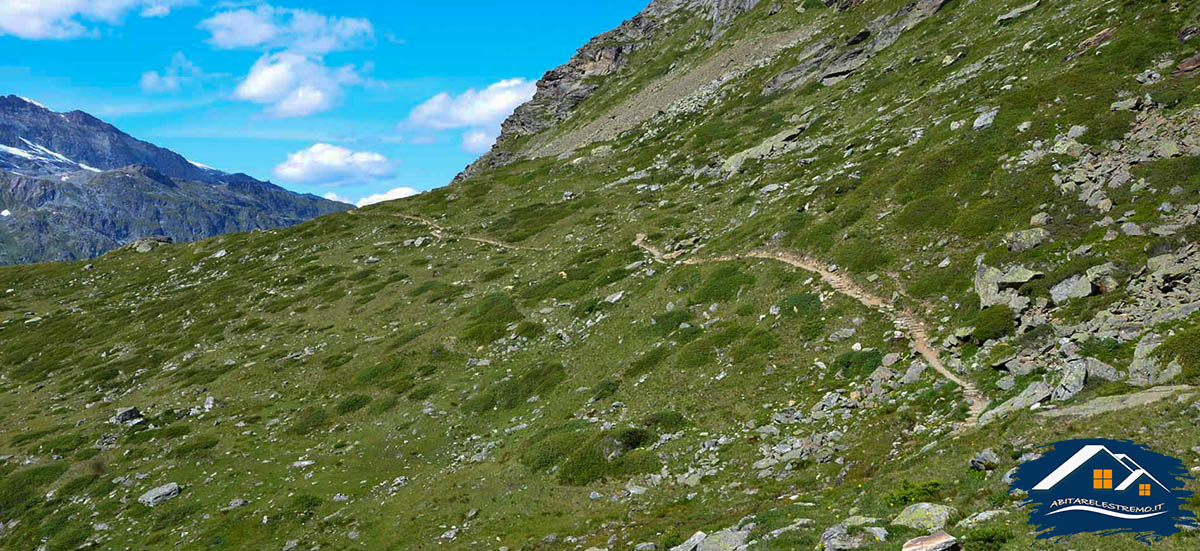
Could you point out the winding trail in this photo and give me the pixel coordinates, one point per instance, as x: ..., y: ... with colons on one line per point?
x: 903, y: 319
x: 440, y: 232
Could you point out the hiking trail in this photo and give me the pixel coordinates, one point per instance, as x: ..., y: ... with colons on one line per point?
x: 903, y: 319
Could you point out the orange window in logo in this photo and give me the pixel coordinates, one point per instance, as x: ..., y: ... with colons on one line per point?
x: 1143, y: 489
x: 1102, y: 479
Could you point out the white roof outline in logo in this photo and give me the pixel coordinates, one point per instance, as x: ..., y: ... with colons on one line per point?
x: 1084, y: 455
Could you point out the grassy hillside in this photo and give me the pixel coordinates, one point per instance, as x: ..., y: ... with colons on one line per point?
x: 496, y: 363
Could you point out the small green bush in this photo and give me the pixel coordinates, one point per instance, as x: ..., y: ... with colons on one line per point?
x: 195, y: 446
x: 308, y: 421
x: 666, y: 420
x: 993, y: 323
x: 853, y: 364
x: 353, y: 403
x: 423, y: 392
x: 647, y: 361
x: 1183, y: 346
x: 723, y: 284
x: 802, y: 305
x: 908, y: 493
x: 988, y: 538
x: 605, y: 388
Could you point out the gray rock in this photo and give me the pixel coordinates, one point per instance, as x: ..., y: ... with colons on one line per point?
x: 1076, y: 286
x: 1024, y: 240
x: 913, y: 374
x: 234, y: 504
x: 1017, y: 13
x: 837, y: 538
x: 980, y: 517
x: 160, y: 494
x: 692, y: 543
x: 1074, y: 376
x: 1131, y: 229
x: 1033, y: 394
x: 890, y: 359
x: 842, y: 334
x: 125, y: 415
x: 1131, y: 104
x: 725, y: 540
x: 985, y: 120
x: 985, y: 460
x: 1145, y: 370
x: 995, y: 286
x: 925, y: 516
x: 1100, y: 370
x: 939, y: 541
x: 1006, y: 382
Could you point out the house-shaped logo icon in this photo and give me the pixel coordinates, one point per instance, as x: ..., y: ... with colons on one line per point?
x: 1077, y: 483
x: 1098, y: 460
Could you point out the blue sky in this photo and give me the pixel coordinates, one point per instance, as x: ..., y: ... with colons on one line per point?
x: 351, y: 99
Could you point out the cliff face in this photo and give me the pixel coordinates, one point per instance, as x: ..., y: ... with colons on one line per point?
x: 562, y: 89
x: 74, y: 187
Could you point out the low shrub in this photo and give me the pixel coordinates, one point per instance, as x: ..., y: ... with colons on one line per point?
x: 993, y: 323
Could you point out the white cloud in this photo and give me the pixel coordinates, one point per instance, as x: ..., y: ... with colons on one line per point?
x: 295, y: 85
x: 478, y: 111
x: 63, y: 19
x: 473, y: 108
x: 389, y: 195
x: 478, y: 141
x: 172, y: 78
x: 332, y: 165
x: 293, y: 29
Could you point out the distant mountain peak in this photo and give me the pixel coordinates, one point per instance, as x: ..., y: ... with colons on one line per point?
x: 75, y: 186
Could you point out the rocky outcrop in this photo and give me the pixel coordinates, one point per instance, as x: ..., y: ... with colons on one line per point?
x: 1033, y: 394
x: 940, y: 541
x: 563, y: 88
x: 160, y: 494
x: 925, y: 516
x: 995, y: 286
x: 830, y: 63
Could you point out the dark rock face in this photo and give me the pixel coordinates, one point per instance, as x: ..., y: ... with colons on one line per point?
x: 562, y: 89
x: 73, y: 187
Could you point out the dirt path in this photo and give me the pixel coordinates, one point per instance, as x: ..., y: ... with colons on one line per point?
x: 904, y: 320
x: 441, y: 232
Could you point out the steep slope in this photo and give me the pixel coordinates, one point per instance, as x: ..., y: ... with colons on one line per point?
x: 73, y: 187
x: 777, y: 312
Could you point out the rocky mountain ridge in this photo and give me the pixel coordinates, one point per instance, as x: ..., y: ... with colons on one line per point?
x: 74, y: 187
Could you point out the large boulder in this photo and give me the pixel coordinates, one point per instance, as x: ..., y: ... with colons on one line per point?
x: 160, y: 494
x: 939, y: 541
x: 1033, y: 394
x: 1074, y: 375
x: 986, y: 460
x: 725, y: 540
x: 1024, y: 240
x: 925, y: 516
x: 692, y: 543
x: 995, y: 286
x: 1146, y: 368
